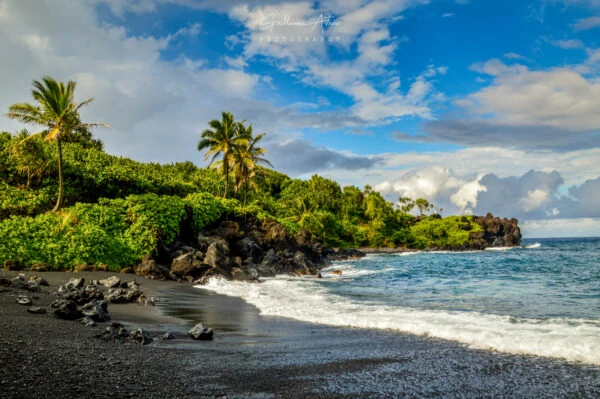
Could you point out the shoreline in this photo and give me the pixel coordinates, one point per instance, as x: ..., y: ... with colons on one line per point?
x: 255, y: 355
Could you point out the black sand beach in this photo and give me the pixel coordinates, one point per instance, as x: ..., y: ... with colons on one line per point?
x: 251, y: 356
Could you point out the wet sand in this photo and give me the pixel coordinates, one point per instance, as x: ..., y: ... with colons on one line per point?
x: 253, y: 356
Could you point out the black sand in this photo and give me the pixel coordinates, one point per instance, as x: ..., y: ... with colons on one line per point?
x: 252, y: 356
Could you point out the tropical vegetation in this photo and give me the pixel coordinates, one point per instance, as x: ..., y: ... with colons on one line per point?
x: 112, y: 210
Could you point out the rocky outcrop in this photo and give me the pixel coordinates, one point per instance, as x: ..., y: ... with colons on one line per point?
x: 242, y: 250
x: 496, y: 232
x: 149, y: 268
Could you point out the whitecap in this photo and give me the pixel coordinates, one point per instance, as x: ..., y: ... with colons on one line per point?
x: 308, y: 300
x: 534, y: 246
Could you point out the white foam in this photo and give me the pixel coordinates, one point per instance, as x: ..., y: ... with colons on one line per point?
x: 348, y: 270
x: 499, y: 248
x: 409, y: 253
x: 307, y: 300
x: 534, y: 246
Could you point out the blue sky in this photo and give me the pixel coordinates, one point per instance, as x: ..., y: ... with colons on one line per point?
x: 477, y: 105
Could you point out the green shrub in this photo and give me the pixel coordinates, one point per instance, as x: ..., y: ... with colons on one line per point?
x: 116, y: 233
x: 449, y: 232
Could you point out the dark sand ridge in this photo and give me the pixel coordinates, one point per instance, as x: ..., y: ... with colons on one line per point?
x: 252, y: 356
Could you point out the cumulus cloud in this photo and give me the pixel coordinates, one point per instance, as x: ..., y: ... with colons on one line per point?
x: 524, y: 196
x: 437, y: 184
x: 534, y: 195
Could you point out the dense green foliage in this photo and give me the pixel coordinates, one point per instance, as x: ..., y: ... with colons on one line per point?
x: 452, y: 231
x: 118, y: 210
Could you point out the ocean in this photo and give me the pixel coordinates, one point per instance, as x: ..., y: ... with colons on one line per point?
x: 542, y: 299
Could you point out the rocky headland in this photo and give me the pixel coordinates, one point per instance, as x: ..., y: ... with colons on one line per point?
x: 247, y: 249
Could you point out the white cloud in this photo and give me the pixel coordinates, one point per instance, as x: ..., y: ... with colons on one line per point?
x: 569, y: 44
x: 587, y: 23
x: 362, y: 23
x: 448, y: 15
x: 575, y: 166
x: 514, y: 56
x: 558, y: 97
x: 466, y: 197
x: 534, y: 199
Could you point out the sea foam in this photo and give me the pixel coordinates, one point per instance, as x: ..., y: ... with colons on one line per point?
x: 534, y: 246
x: 307, y: 299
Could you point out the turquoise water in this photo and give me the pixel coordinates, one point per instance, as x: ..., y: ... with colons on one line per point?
x: 542, y: 299
x: 559, y: 278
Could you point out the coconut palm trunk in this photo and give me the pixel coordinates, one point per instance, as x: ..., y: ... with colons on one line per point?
x: 59, y: 201
x: 226, y: 172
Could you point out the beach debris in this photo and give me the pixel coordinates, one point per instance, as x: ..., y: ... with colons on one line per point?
x: 96, y: 310
x: 68, y: 310
x: 201, y: 333
x: 111, y: 282
x: 336, y: 272
x: 24, y: 300
x: 37, y: 310
x: 167, y: 335
x: 140, y: 336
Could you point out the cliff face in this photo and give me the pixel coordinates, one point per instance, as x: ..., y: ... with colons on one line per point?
x: 496, y: 232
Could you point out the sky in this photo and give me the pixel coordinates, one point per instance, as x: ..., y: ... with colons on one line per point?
x: 477, y: 105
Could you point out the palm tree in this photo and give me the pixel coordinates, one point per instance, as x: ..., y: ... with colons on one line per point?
x: 222, y: 139
x: 57, y: 111
x: 246, y: 158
